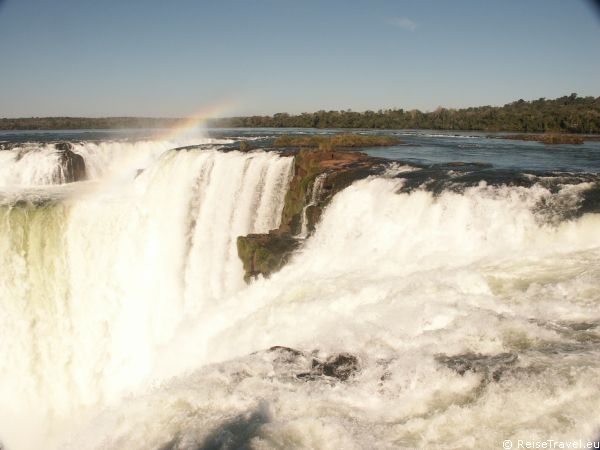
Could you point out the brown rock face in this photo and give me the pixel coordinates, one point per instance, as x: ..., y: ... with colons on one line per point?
x: 71, y: 165
x: 263, y: 254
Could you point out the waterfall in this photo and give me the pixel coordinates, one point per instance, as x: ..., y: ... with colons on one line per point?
x: 30, y: 165
x: 395, y: 279
x: 315, y: 193
x: 93, y: 285
x: 38, y: 164
x: 125, y: 322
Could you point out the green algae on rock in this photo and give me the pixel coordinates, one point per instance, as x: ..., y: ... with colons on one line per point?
x: 343, y: 140
x: 263, y: 254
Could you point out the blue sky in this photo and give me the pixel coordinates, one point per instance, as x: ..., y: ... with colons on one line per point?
x: 172, y: 58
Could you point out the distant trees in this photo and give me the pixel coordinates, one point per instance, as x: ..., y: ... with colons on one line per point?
x: 568, y: 114
x: 83, y: 123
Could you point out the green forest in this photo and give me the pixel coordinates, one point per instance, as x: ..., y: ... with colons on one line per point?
x: 84, y: 123
x: 568, y: 114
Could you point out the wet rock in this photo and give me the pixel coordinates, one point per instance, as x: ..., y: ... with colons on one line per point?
x: 285, y: 350
x: 263, y: 254
x: 309, y: 367
x: 245, y: 146
x: 9, y: 146
x: 490, y: 366
x: 288, y: 356
x: 563, y: 348
x: 581, y: 326
x: 288, y: 362
x: 20, y: 155
x: 266, y: 253
x: 456, y: 178
x: 335, y: 170
x: 339, y: 169
x: 591, y: 200
x: 238, y: 432
x: 72, y: 165
x: 341, y: 366
x: 63, y: 146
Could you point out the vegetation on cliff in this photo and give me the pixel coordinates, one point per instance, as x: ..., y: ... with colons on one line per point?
x: 263, y: 254
x: 345, y: 140
x: 338, y: 169
x: 548, y: 138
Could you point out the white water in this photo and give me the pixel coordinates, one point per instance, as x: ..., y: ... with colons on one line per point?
x: 315, y: 193
x: 93, y: 286
x: 154, y: 290
x: 35, y: 164
x: 30, y: 165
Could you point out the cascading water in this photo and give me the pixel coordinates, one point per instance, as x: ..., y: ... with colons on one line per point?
x: 30, y: 165
x: 34, y: 164
x: 396, y: 279
x: 472, y: 315
x: 314, y: 198
x: 91, y: 286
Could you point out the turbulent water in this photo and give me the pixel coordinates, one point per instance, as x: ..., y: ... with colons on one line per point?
x: 472, y: 314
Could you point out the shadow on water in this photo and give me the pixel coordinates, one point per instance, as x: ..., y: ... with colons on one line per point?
x: 233, y: 434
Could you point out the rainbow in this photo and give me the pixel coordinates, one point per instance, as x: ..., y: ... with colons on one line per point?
x: 194, y: 123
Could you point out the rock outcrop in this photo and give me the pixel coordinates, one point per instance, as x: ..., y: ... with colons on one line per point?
x: 71, y: 165
x: 591, y: 200
x: 263, y: 254
x: 341, y: 366
x: 549, y: 138
x: 310, y: 367
x: 491, y: 367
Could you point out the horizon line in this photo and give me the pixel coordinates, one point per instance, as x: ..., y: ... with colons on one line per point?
x: 144, y: 117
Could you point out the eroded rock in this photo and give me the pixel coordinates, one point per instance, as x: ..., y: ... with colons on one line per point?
x: 490, y: 366
x: 341, y: 366
x: 72, y: 165
x: 264, y: 254
x: 309, y: 367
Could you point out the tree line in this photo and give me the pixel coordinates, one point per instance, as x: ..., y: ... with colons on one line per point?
x: 84, y: 123
x: 568, y: 114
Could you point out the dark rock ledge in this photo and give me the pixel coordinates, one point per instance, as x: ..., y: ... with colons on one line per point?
x: 337, y: 367
x: 491, y: 367
x: 72, y: 165
x: 263, y: 254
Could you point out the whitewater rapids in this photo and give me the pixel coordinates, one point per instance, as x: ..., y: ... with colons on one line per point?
x: 126, y: 323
